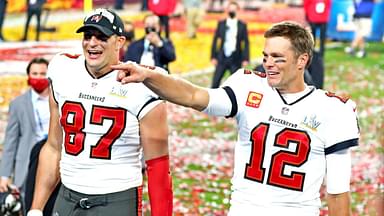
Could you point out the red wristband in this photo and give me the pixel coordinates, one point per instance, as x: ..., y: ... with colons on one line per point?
x: 160, y: 186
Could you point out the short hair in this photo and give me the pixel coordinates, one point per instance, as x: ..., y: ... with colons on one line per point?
x: 234, y: 3
x: 300, y: 37
x: 152, y: 15
x: 37, y: 60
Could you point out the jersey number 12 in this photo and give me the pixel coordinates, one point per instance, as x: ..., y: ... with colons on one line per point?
x: 276, y: 177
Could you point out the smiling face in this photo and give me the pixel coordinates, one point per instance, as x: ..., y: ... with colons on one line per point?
x: 100, y: 51
x: 284, y: 68
x: 287, y: 53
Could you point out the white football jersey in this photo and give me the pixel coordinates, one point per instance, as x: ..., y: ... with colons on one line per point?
x: 280, y: 154
x: 100, y: 119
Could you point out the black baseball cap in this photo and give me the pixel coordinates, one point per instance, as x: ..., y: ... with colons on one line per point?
x: 104, y: 20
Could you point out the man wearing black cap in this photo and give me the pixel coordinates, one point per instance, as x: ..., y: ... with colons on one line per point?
x: 99, y: 130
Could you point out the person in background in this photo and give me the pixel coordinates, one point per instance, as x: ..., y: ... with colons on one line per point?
x: 230, y: 46
x: 152, y: 49
x: 119, y: 4
x: 164, y: 23
x: 34, y: 8
x: 144, y: 5
x: 129, y: 34
x: 212, y: 7
x: 317, y: 16
x: 31, y: 180
x: 28, y: 120
x: 98, y: 130
x: 194, y: 12
x: 316, y: 70
x: 291, y: 136
x: 3, y: 10
x: 164, y: 10
x: 362, y: 19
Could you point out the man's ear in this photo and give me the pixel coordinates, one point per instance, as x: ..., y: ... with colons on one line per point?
x: 302, y: 61
x: 120, y: 42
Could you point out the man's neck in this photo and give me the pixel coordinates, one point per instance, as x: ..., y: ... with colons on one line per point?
x: 44, y: 93
x: 98, y: 72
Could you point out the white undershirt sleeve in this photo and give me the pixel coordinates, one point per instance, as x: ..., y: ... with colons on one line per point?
x: 219, y: 103
x: 338, y: 172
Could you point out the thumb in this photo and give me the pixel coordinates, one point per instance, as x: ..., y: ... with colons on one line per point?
x: 121, y: 74
x: 129, y: 79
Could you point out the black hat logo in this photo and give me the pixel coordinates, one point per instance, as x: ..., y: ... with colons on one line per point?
x: 96, y: 18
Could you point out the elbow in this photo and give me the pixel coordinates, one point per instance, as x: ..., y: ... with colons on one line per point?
x: 199, y: 100
x: 196, y: 107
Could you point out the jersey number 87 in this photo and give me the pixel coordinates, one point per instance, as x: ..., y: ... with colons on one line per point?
x: 73, y: 121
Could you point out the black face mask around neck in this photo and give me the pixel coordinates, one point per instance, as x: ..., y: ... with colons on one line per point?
x: 232, y: 14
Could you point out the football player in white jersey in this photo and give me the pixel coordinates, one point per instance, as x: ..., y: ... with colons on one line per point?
x: 98, y: 130
x: 291, y: 136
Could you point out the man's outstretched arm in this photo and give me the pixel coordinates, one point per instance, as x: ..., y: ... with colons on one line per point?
x: 168, y: 87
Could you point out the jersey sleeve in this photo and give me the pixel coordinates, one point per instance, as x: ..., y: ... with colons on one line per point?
x: 343, y: 128
x: 146, y: 98
x: 58, y: 63
x: 223, y: 100
x: 62, y: 67
x: 53, y: 73
x: 239, y: 85
x: 338, y: 172
x: 151, y: 103
x: 52, y: 66
x: 220, y: 103
x: 136, y: 98
x: 141, y: 100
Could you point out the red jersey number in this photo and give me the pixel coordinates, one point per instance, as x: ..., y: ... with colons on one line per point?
x: 276, y: 177
x: 73, y: 121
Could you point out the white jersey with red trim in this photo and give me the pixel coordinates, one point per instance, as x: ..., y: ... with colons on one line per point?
x: 280, y: 155
x: 100, y: 119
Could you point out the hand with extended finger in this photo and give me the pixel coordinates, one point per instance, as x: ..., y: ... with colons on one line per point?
x: 130, y: 72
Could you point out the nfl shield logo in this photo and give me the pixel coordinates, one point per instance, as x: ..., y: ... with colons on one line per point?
x: 284, y: 110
